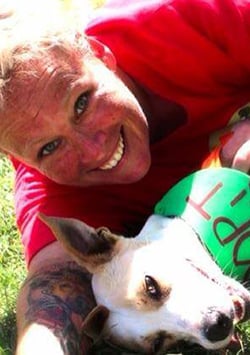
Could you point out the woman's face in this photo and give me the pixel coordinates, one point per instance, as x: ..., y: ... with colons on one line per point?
x: 76, y: 122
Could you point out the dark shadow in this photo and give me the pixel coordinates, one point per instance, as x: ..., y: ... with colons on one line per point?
x: 8, y: 334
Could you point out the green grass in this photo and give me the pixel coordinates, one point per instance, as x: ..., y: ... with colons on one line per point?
x: 12, y: 267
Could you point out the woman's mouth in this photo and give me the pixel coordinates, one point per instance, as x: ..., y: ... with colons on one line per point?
x: 116, y: 157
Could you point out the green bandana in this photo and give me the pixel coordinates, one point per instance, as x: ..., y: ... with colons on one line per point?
x: 216, y: 203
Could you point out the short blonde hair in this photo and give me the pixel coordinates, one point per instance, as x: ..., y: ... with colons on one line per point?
x: 28, y: 28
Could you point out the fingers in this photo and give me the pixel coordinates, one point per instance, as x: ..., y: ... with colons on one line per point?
x: 241, y: 160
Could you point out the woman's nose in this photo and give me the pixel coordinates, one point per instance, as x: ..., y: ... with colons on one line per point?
x: 90, y: 147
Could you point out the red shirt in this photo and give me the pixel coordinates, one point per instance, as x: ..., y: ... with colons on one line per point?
x: 195, y: 53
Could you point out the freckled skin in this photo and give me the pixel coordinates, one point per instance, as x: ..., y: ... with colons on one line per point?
x: 45, y: 102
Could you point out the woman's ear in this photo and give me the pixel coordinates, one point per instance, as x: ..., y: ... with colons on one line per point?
x: 102, y: 52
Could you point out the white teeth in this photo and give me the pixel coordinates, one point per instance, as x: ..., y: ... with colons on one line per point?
x: 116, y: 156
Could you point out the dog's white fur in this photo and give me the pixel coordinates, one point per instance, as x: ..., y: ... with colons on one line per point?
x: 160, y: 287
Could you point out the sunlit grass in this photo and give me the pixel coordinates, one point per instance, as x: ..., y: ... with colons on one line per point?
x: 12, y: 267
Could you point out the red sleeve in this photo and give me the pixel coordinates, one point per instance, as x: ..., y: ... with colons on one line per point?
x: 30, y: 195
x: 117, y: 207
x: 34, y: 193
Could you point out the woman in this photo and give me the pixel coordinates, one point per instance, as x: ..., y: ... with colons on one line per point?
x: 100, y: 124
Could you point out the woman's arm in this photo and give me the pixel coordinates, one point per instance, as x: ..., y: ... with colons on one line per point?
x: 52, y: 304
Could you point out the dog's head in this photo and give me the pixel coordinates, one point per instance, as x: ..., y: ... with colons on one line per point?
x: 159, y: 288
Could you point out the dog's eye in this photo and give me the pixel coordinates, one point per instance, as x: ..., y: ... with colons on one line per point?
x: 152, y: 288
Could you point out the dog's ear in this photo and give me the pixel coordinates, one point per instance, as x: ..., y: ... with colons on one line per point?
x: 91, y: 248
x: 93, y: 324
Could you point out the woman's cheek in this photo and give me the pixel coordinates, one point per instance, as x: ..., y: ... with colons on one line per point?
x: 63, y: 170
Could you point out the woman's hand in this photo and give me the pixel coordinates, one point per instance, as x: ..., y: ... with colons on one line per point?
x: 236, y: 152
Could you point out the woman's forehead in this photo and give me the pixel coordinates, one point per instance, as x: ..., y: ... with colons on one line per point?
x: 38, y: 86
x: 36, y: 76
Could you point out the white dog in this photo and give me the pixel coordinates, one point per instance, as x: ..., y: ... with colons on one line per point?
x: 159, y: 288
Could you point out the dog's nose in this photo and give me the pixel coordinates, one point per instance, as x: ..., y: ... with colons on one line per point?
x: 219, y: 328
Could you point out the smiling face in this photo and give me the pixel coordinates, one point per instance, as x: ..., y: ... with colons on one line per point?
x: 75, y: 121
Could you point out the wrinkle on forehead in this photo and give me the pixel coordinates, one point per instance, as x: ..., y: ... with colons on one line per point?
x: 30, y: 83
x: 34, y: 85
x: 33, y: 78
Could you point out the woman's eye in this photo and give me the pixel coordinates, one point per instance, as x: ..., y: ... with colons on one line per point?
x: 49, y: 148
x: 153, y: 289
x: 81, y: 104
